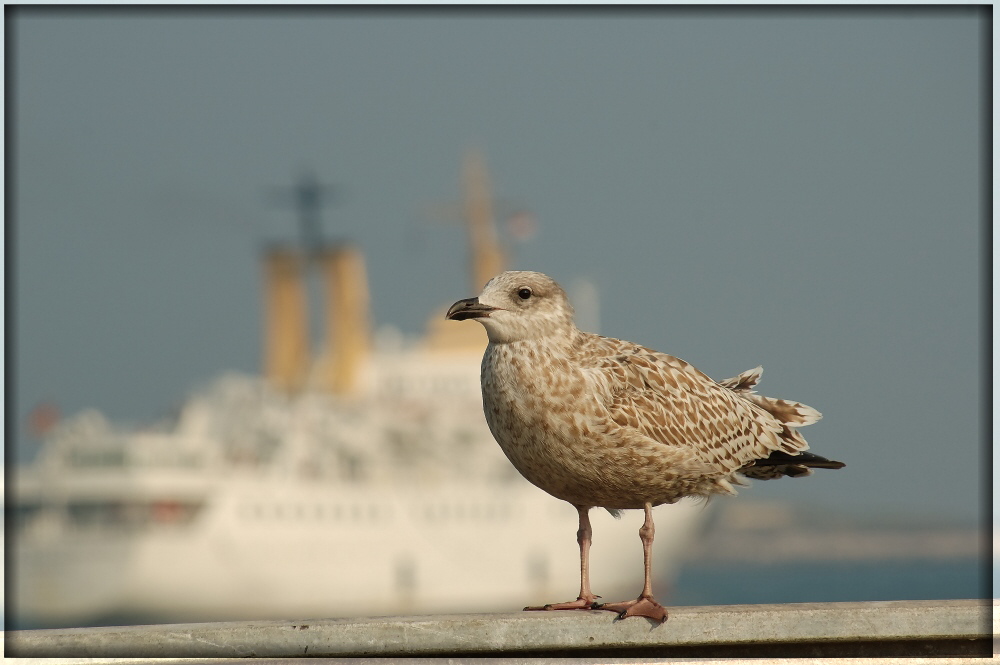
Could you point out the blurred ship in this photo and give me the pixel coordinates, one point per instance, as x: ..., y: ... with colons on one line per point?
x: 363, y: 481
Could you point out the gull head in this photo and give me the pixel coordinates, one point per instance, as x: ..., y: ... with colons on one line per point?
x: 518, y: 305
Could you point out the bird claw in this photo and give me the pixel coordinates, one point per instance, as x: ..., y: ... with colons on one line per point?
x: 640, y: 607
x: 578, y: 604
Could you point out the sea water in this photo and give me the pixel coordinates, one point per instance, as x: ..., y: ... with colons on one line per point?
x: 830, y: 581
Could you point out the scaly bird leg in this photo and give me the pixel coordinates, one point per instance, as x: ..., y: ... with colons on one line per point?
x: 586, y: 600
x: 644, y: 605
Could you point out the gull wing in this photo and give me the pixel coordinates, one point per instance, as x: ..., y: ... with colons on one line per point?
x: 670, y: 401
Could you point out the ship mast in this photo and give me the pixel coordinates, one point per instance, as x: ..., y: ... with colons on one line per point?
x: 486, y: 255
x: 486, y: 259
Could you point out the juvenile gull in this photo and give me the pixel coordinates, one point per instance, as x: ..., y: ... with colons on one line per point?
x: 601, y: 422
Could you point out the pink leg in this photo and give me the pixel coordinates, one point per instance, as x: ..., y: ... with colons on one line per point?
x: 586, y: 600
x: 644, y: 605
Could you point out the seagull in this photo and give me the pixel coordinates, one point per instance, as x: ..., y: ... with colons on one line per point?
x: 602, y: 422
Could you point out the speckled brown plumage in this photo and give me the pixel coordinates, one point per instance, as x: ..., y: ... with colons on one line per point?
x: 597, y: 421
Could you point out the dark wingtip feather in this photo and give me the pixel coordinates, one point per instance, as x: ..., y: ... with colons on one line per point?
x: 779, y: 464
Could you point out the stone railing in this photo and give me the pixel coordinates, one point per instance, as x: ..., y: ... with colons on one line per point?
x: 957, y: 628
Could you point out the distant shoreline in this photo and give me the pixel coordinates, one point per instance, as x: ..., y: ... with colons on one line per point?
x: 790, y: 545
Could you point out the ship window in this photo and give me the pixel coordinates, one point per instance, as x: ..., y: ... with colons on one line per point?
x: 537, y: 569
x: 171, y: 512
x: 85, y: 458
x: 352, y: 467
x: 26, y: 513
x: 90, y: 513
x: 131, y: 515
x: 406, y: 575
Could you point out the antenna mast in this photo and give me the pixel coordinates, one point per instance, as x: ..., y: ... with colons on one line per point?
x: 487, y: 257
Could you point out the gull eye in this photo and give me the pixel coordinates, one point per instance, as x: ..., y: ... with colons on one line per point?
x: 524, y: 293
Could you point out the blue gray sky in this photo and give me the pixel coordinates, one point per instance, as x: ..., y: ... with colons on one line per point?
x: 796, y: 188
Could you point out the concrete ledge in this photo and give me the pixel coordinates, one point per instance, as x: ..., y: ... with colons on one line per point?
x: 893, y: 628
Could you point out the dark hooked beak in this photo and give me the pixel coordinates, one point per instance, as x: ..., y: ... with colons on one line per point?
x: 470, y: 308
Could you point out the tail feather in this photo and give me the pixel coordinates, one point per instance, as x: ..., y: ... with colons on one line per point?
x: 790, y: 459
x: 785, y: 411
x: 793, y: 441
x: 743, y: 382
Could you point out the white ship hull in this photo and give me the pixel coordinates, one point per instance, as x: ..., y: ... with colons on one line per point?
x: 269, y: 550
